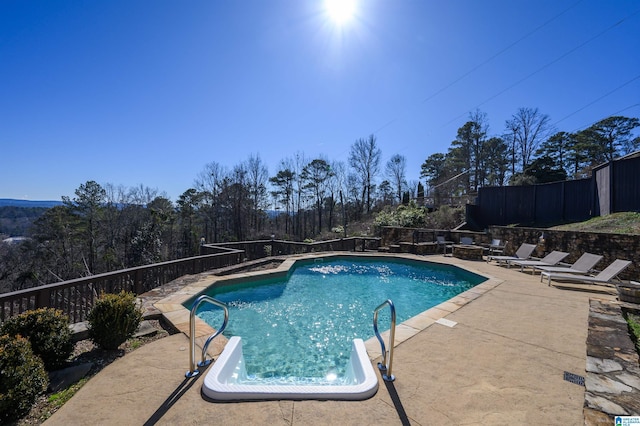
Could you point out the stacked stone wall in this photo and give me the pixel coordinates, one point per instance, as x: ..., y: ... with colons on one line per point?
x: 391, y: 235
x: 610, y: 246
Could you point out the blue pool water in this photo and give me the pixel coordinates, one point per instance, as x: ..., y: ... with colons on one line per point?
x: 300, y: 328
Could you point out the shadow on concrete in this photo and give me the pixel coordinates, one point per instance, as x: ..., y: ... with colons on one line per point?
x: 182, y: 388
x: 397, y: 403
x: 606, y: 290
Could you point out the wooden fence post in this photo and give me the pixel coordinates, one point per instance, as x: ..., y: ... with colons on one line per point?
x: 43, y: 298
x: 138, y: 284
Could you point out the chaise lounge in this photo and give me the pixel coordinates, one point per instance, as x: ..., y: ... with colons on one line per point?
x: 606, y: 276
x: 583, y: 265
x: 551, y: 259
x: 523, y: 253
x: 496, y: 247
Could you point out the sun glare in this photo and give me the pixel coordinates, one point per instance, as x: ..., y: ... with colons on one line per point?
x: 340, y: 11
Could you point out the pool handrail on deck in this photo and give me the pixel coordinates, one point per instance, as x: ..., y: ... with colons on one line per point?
x: 386, y: 365
x: 192, y: 337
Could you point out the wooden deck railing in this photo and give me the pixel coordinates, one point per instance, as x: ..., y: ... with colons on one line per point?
x: 75, y: 297
x: 263, y: 248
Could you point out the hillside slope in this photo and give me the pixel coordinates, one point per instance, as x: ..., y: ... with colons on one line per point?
x: 616, y: 223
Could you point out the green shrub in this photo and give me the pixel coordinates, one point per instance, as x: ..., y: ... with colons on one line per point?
x: 113, y: 319
x: 48, y: 332
x: 386, y: 217
x: 446, y: 217
x: 408, y: 216
x: 411, y: 215
x: 22, y: 377
x: 634, y: 329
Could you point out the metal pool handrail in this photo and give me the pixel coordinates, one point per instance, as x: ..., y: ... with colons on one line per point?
x: 384, y: 366
x: 192, y: 330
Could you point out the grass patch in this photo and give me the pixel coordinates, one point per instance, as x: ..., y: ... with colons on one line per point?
x: 634, y: 328
x: 615, y: 223
x: 58, y: 399
x: 85, y: 351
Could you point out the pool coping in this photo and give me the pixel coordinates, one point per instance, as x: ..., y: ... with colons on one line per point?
x: 177, y: 315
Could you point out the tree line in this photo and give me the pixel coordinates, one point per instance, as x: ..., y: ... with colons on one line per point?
x: 107, y: 227
x: 16, y: 221
x: 529, y: 150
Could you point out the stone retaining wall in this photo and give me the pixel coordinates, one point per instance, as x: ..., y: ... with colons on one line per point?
x: 610, y: 246
x: 394, y: 235
x: 612, y: 384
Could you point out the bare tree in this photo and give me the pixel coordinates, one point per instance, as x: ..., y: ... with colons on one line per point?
x: 364, y: 158
x: 292, y: 182
x: 142, y: 195
x: 257, y: 177
x: 478, y: 139
x: 208, y: 183
x: 396, y: 171
x: 335, y: 187
x: 412, y: 188
x: 529, y: 127
x: 299, y: 161
x: 235, y: 202
x: 116, y: 225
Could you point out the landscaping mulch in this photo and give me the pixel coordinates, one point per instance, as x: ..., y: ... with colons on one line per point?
x: 86, y: 352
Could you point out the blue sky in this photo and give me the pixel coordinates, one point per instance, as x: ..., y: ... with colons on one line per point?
x: 150, y: 91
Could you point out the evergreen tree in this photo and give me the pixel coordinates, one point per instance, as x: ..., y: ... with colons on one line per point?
x: 316, y: 175
x: 88, y: 205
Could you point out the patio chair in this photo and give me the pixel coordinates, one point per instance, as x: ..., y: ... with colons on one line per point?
x: 467, y: 241
x: 606, y: 276
x: 496, y: 247
x: 523, y: 253
x: 551, y: 259
x: 441, y: 242
x: 583, y: 265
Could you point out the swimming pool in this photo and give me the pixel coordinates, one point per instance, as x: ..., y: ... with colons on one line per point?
x: 299, y: 329
x: 227, y: 379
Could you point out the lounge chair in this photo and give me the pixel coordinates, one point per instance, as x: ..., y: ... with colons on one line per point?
x: 604, y: 277
x: 551, y: 259
x: 496, y: 246
x: 523, y: 253
x: 583, y: 265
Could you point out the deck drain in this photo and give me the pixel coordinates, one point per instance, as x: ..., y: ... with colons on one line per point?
x: 446, y: 322
x: 574, y: 378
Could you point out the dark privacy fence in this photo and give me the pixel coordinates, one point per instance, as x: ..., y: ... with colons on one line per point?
x: 613, y: 187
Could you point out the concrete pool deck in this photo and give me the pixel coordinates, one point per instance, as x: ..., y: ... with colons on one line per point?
x: 502, y: 363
